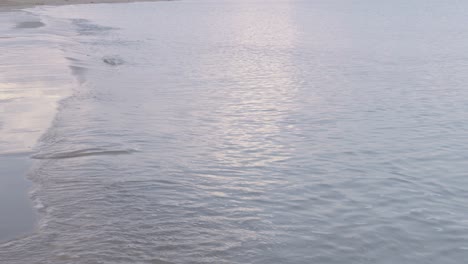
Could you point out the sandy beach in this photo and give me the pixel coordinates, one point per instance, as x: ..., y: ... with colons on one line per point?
x: 27, y: 3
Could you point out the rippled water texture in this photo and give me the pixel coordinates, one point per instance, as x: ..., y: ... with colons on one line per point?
x: 255, y: 132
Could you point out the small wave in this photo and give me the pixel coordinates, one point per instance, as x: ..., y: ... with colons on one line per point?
x: 9, y: 100
x: 30, y: 24
x: 113, y: 60
x: 83, y: 153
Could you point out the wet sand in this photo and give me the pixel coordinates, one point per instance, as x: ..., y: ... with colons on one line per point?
x: 17, y: 217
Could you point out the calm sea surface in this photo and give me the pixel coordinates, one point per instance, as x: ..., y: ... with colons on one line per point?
x: 318, y: 131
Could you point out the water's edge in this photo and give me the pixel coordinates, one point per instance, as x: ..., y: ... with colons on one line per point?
x: 21, y: 209
x: 239, y: 132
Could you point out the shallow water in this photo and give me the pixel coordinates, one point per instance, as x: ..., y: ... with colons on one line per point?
x: 34, y: 76
x: 255, y: 132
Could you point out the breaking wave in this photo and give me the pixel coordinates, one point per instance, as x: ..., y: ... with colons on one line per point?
x: 83, y: 153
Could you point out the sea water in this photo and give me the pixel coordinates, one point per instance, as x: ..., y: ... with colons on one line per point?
x: 253, y: 132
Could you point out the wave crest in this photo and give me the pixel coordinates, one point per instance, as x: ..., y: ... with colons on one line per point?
x: 83, y: 153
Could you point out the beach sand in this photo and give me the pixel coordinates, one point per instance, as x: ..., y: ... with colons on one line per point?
x: 27, y: 3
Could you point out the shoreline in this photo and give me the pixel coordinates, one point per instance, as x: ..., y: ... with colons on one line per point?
x: 16, y: 185
x: 15, y: 4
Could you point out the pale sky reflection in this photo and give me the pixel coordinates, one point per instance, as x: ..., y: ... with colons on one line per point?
x: 34, y: 78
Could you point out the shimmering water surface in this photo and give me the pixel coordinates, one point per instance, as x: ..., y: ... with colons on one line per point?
x: 253, y: 132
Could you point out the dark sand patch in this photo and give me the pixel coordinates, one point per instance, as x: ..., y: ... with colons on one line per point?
x: 30, y: 24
